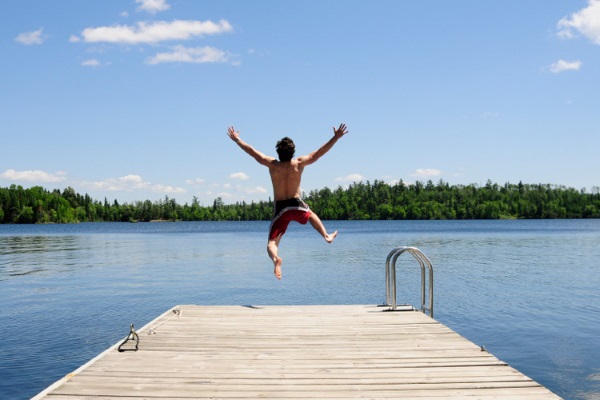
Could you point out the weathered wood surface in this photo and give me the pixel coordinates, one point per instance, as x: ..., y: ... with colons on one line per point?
x: 297, y: 352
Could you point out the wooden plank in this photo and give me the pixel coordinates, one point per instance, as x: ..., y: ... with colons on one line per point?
x: 303, y: 352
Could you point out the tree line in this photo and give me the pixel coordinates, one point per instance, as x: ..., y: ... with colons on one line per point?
x: 359, y: 201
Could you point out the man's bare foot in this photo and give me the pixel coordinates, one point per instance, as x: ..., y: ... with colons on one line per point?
x: 329, y: 238
x: 277, y: 271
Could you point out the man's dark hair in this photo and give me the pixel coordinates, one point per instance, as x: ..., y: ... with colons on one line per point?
x: 285, y: 149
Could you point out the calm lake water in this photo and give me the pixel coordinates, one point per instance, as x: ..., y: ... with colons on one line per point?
x: 529, y: 291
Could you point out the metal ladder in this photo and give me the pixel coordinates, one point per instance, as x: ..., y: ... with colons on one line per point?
x: 390, y: 277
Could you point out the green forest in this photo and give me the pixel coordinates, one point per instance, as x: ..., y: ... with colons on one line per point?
x: 359, y: 201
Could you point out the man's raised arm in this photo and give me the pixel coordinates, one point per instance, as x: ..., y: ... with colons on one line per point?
x: 315, y: 155
x: 257, y: 155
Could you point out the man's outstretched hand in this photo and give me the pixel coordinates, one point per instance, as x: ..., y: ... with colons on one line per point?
x: 235, y: 136
x: 341, y: 131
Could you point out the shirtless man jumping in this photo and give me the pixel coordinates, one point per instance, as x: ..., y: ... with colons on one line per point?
x: 286, y: 174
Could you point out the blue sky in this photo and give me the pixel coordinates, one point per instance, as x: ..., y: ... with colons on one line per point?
x: 131, y: 100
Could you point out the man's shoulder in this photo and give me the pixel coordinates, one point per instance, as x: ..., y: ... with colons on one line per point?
x: 285, y: 164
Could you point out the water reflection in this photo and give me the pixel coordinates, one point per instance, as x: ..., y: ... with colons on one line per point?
x: 27, y: 255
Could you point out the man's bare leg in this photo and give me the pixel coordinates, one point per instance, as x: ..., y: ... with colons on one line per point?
x: 272, y: 249
x: 315, y: 221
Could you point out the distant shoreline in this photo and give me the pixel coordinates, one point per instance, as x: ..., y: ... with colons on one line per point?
x: 359, y: 201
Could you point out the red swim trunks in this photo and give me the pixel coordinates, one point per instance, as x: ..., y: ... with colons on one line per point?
x: 287, y: 211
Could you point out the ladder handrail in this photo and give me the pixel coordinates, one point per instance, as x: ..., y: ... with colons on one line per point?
x: 390, y: 277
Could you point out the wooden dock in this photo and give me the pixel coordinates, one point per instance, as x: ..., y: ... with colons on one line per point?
x: 296, y: 352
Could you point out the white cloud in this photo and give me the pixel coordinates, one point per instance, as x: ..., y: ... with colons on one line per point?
x: 33, y: 176
x: 562, y: 65
x: 251, y: 190
x: 195, y: 181
x: 350, y: 178
x: 426, y: 173
x: 154, y: 32
x: 129, y: 183
x: 239, y: 175
x: 29, y: 38
x: 91, y: 63
x: 190, y: 55
x: 152, y: 6
x: 158, y: 188
x: 585, y: 21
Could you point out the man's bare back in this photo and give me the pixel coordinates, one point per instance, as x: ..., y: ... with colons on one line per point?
x: 286, y: 175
